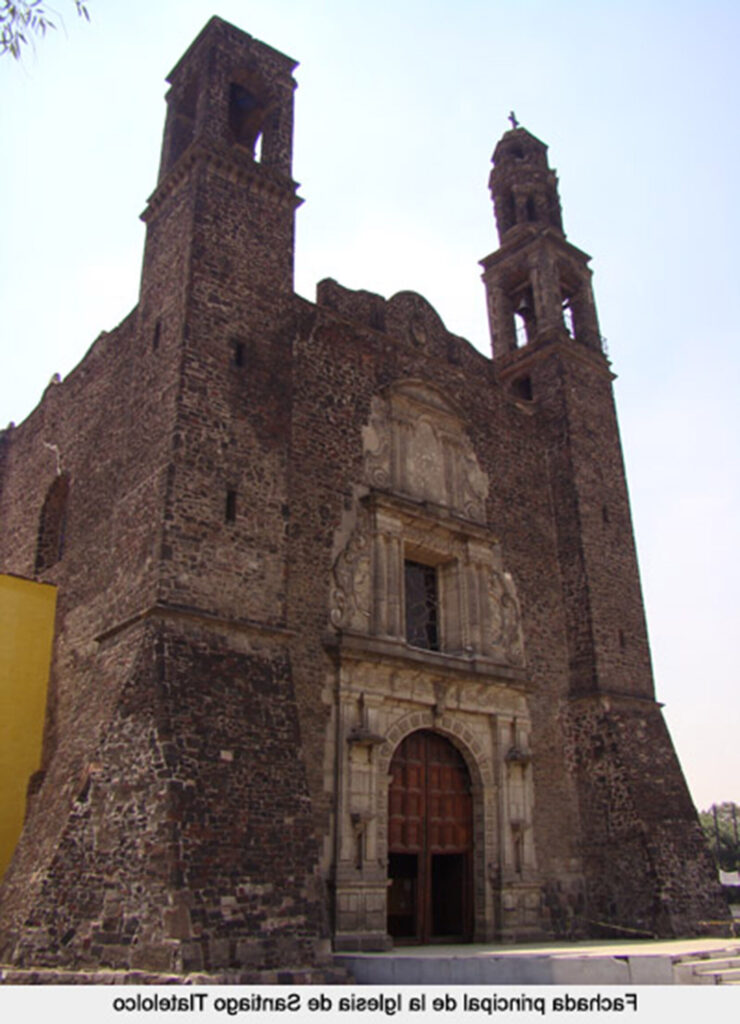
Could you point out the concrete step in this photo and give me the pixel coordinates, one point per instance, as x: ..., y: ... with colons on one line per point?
x: 718, y: 965
x: 645, y: 963
x: 721, y: 975
x: 714, y: 968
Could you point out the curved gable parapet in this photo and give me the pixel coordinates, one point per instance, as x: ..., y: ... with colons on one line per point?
x: 411, y: 318
x: 407, y: 318
x: 361, y: 306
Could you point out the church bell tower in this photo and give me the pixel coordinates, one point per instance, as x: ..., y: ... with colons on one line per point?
x: 538, y: 284
x: 549, y: 355
x: 548, y: 351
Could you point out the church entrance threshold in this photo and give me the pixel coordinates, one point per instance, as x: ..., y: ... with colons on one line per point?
x: 430, y: 823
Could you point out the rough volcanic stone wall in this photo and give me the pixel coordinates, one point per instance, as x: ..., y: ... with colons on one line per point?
x: 645, y: 861
x: 154, y: 427
x: 595, y: 527
x: 247, y: 855
x: 188, y: 845
x: 92, y: 423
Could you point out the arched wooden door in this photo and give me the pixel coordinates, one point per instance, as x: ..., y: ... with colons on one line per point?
x: 430, y: 842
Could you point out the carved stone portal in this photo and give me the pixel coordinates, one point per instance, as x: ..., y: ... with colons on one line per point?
x: 422, y: 501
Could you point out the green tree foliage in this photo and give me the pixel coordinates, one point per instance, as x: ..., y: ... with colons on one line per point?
x: 21, y: 22
x: 720, y: 824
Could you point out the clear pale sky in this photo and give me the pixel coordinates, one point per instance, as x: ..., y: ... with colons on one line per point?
x: 398, y: 109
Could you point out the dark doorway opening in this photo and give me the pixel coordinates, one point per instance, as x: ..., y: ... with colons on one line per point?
x: 449, y: 885
x: 430, y: 842
x: 403, y: 874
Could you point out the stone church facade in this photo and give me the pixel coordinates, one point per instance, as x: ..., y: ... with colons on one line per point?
x: 350, y: 640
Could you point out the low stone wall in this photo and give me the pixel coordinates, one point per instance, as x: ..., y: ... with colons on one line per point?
x: 307, y: 976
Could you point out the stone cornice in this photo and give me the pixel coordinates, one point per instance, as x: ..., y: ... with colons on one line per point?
x: 165, y: 611
x: 411, y: 510
x: 529, y: 239
x: 361, y: 647
x: 608, y: 698
x: 235, y: 164
x: 511, y: 364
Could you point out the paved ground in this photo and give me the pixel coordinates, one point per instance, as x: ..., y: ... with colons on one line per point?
x: 595, y: 947
x: 611, y: 962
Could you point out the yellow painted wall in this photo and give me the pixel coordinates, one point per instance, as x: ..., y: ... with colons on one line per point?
x: 26, y: 635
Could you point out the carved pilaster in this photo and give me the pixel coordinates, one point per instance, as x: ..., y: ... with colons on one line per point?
x: 387, y: 576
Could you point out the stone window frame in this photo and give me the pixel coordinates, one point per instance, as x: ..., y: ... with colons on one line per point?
x: 422, y: 623
x: 467, y: 557
x: 424, y: 500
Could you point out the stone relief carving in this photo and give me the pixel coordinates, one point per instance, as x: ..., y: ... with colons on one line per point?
x: 423, y: 463
x: 351, y: 579
x: 474, y: 488
x: 415, y: 444
x: 354, y: 590
x: 506, y: 626
x: 441, y: 694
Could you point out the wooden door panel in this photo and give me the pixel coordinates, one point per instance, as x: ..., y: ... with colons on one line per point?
x: 430, y: 820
